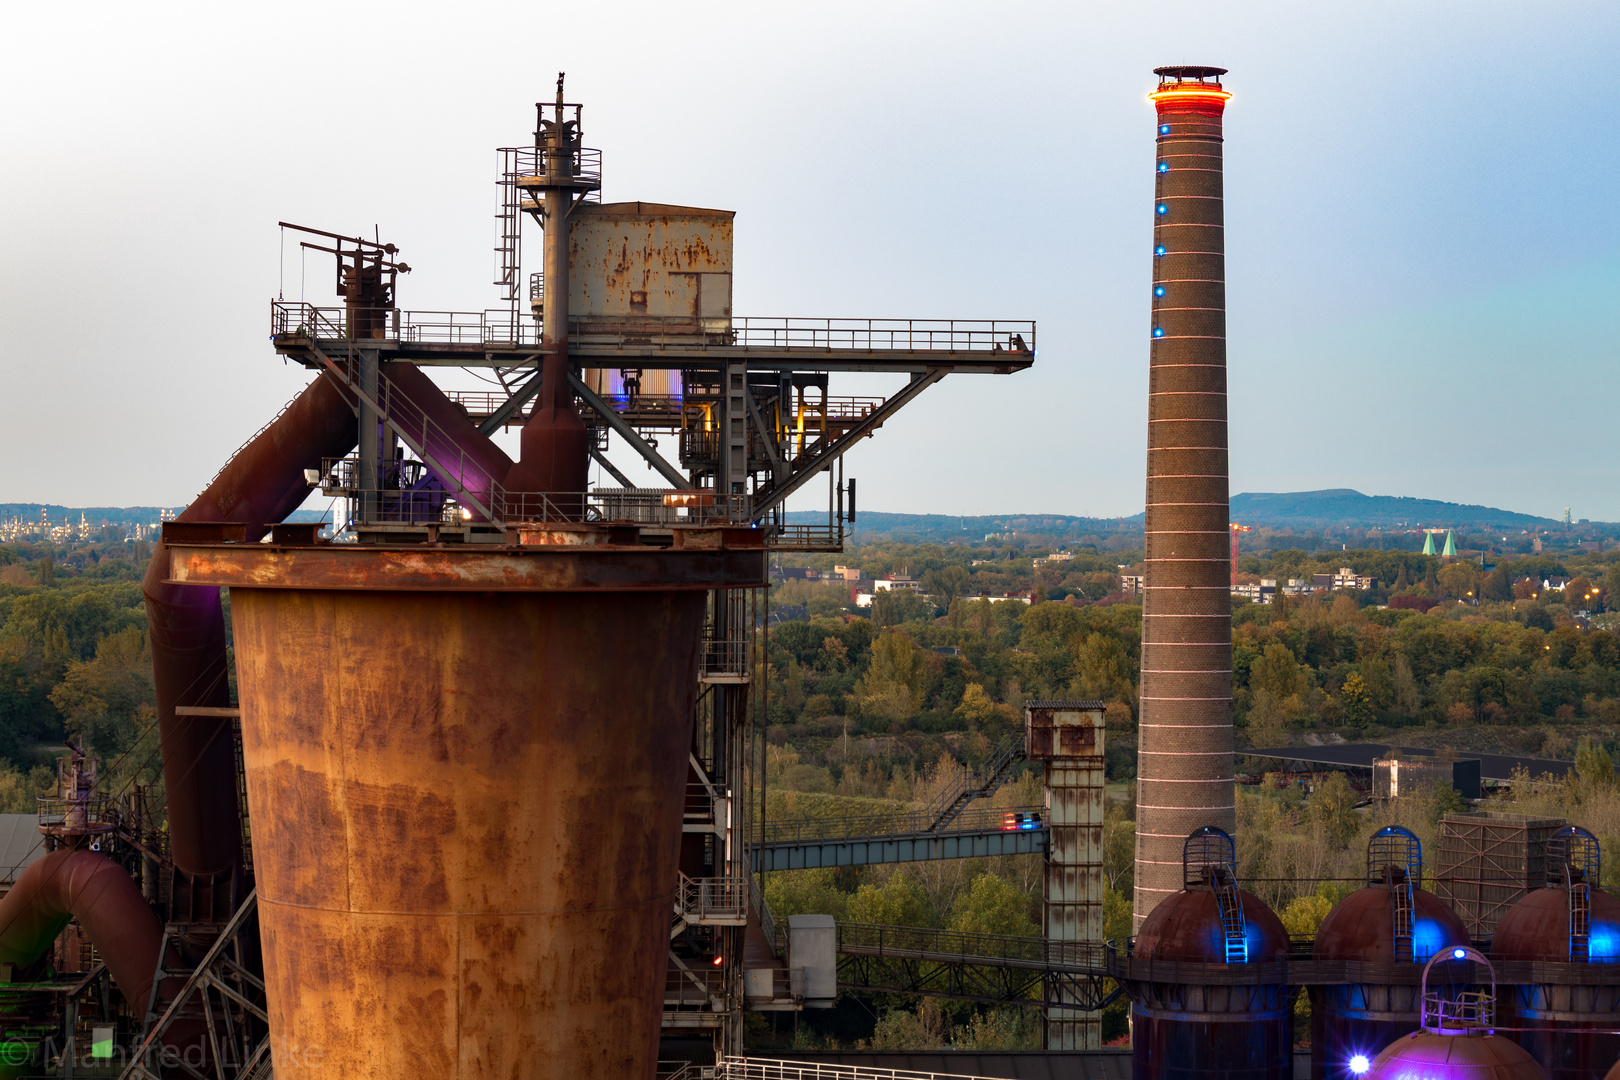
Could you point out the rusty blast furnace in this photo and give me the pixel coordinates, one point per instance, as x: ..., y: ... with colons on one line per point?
x: 1185, y: 758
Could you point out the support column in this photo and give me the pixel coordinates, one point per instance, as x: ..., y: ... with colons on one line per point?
x: 733, y: 472
x: 1067, y: 738
x: 370, y: 439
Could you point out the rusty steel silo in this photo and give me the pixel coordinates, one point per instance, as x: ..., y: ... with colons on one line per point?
x: 1185, y: 769
x: 467, y: 771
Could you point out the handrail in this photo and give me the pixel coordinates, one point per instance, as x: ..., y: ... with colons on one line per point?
x: 297, y: 320
x: 902, y: 823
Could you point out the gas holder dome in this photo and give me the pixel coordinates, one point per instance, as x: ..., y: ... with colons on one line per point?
x: 1455, y: 1040
x: 1385, y: 928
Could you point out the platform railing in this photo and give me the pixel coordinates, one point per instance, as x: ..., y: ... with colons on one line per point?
x: 956, y: 946
x: 758, y: 1068
x: 96, y: 813
x: 293, y: 320
x: 704, y: 900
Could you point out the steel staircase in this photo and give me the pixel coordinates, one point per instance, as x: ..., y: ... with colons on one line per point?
x: 978, y: 783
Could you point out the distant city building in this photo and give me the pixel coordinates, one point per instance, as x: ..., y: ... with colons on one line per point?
x: 1343, y: 578
x: 1056, y: 556
x: 1130, y: 584
x: 902, y: 583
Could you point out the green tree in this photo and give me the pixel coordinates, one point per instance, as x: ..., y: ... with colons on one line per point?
x: 109, y: 700
x: 993, y: 906
x: 946, y: 584
x: 1333, y: 808
x: 1593, y: 765
x: 900, y: 901
x: 1356, y: 701
x: 1497, y: 585
x: 1278, y: 672
x: 892, y: 686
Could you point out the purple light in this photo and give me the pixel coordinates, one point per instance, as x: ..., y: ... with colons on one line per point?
x: 1458, y: 954
x: 1359, y: 1064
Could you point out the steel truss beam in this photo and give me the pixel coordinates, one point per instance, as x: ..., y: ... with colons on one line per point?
x: 778, y: 494
x: 628, y: 433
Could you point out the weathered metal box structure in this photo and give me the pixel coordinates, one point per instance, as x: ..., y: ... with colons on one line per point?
x: 813, y: 949
x: 1063, y: 729
x: 649, y: 272
x: 1395, y: 778
x: 1487, y: 861
x: 1067, y: 738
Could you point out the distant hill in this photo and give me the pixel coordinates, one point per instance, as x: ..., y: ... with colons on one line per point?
x: 1344, y: 506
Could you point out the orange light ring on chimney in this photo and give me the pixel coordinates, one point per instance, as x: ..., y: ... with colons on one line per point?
x: 1198, y: 98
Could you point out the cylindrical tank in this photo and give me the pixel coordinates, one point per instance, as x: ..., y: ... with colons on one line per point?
x: 1200, y: 1008
x: 1184, y: 766
x: 1534, y: 941
x: 1388, y: 926
x: 465, y: 770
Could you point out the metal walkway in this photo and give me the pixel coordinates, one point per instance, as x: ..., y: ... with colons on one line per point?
x: 993, y: 968
x: 858, y: 841
x: 944, y: 829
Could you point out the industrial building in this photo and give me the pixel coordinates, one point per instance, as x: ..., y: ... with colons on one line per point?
x: 483, y: 794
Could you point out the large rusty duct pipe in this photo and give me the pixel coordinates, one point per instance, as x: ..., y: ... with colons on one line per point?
x: 261, y: 485
x: 77, y: 884
x: 1184, y: 761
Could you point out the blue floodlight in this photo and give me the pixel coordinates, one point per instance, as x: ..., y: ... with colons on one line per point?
x: 1162, y: 209
x: 1158, y: 290
x: 1159, y: 250
x: 1359, y: 1064
x: 1164, y: 166
x: 1158, y: 331
x: 1164, y: 129
x: 1458, y: 954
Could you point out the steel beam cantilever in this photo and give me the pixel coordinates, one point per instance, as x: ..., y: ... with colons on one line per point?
x: 778, y: 495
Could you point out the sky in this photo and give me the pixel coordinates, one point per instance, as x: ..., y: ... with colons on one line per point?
x: 1421, y: 226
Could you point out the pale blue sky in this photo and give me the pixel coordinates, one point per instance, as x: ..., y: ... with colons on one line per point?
x: 1420, y: 197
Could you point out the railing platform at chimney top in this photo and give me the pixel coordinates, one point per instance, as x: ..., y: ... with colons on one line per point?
x: 291, y: 321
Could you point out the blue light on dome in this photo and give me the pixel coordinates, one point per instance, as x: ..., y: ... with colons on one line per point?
x: 1428, y: 938
x: 1359, y: 1064
x: 1603, y: 942
x: 1458, y: 954
x: 1161, y: 209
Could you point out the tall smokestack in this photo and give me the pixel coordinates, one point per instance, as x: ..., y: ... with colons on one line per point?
x: 1184, y: 764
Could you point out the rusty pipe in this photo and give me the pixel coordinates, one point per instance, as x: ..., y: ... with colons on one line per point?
x: 469, y: 458
x: 261, y: 485
x: 78, y: 884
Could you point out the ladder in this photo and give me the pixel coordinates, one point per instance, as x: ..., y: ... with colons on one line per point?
x: 1400, y: 901
x: 509, y: 234
x: 1580, y: 918
x: 1230, y: 903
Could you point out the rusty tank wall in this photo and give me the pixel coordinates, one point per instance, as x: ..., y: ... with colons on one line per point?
x: 1189, y: 1028
x: 466, y: 815
x: 1184, y: 757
